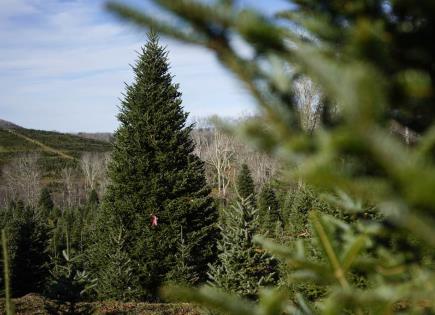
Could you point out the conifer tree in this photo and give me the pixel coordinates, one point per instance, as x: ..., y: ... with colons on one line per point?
x: 245, y: 184
x: 242, y: 268
x: 93, y: 199
x: 45, y: 202
x: 28, y: 241
x: 68, y: 283
x: 117, y: 281
x: 183, y: 273
x: 268, y: 206
x: 154, y: 173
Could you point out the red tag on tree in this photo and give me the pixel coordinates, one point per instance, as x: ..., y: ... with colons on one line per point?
x: 154, y: 220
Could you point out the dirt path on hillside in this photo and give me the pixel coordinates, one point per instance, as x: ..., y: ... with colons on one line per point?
x: 42, y: 145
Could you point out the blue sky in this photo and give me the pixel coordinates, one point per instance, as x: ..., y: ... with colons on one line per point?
x: 63, y: 64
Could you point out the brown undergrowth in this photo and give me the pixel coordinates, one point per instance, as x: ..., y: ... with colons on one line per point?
x: 36, y: 304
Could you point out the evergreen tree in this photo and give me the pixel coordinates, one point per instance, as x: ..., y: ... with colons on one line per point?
x: 245, y: 184
x: 28, y: 241
x: 183, y: 273
x: 93, y: 199
x: 117, y: 280
x: 68, y: 282
x: 269, y: 209
x: 242, y: 268
x: 155, y: 173
x: 45, y: 202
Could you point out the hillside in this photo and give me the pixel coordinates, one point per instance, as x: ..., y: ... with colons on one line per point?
x: 55, y: 149
x: 101, y: 136
x: 8, y: 124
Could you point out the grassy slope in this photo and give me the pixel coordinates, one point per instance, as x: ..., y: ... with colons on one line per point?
x: 56, y: 150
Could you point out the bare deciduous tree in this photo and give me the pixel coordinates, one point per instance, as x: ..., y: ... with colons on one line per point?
x: 67, y: 175
x: 223, y: 155
x: 262, y: 166
x: 104, y: 178
x: 219, y: 154
x: 201, y: 135
x: 309, y: 102
x: 92, y: 167
x: 22, y: 179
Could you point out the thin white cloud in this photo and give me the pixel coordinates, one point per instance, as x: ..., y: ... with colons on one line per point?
x: 11, y: 8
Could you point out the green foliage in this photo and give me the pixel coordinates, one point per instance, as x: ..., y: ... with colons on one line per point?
x: 245, y: 184
x: 299, y: 203
x: 117, y: 280
x: 68, y: 282
x: 298, y: 236
x: 93, y: 199
x: 372, y: 61
x: 9, y: 306
x: 269, y: 209
x: 71, y: 228
x: 242, y: 268
x: 28, y: 240
x: 45, y: 203
x: 184, y: 272
x: 46, y: 251
x: 154, y: 172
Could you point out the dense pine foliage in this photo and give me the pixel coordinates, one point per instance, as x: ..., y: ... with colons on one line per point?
x: 245, y: 185
x: 45, y: 202
x: 28, y: 242
x: 242, y: 267
x: 154, y: 175
x: 269, y: 208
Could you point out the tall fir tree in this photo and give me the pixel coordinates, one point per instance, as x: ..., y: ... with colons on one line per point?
x: 245, y: 184
x: 269, y: 209
x: 155, y: 173
x: 242, y: 268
